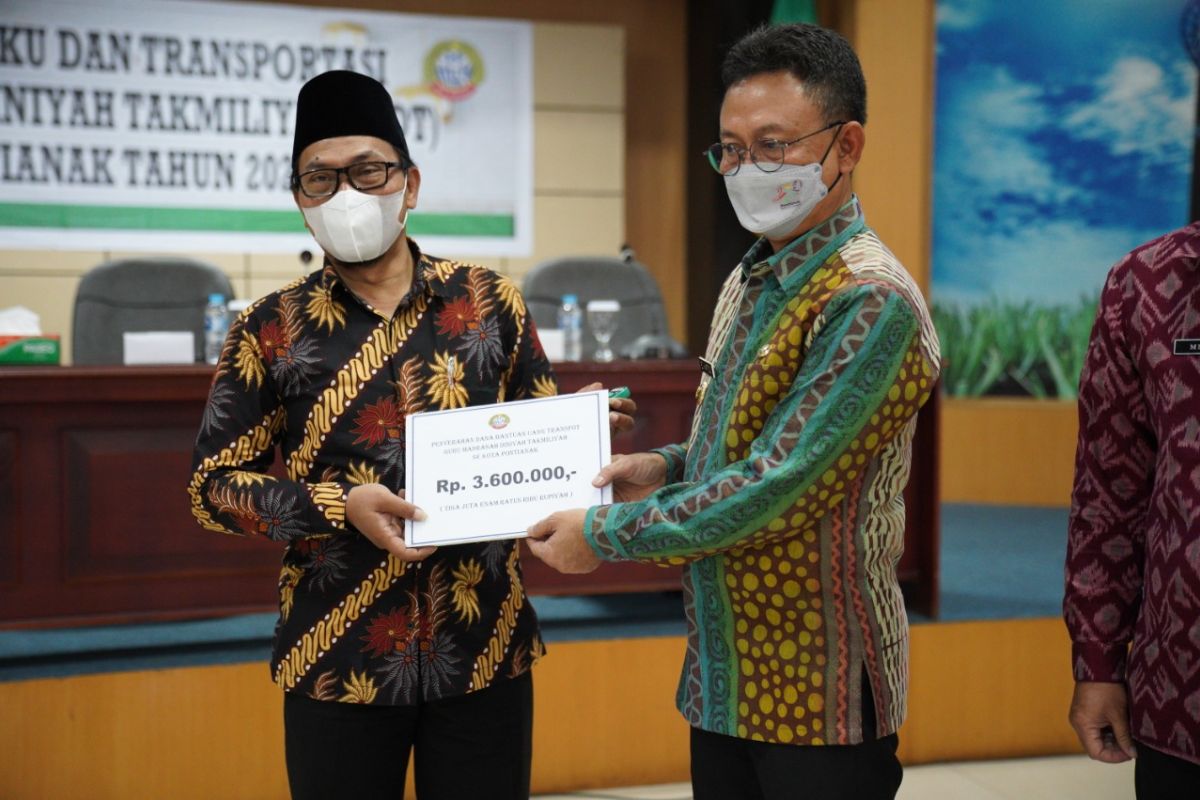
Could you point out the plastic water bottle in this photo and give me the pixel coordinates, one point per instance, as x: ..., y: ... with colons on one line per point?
x: 570, y: 322
x: 216, y: 326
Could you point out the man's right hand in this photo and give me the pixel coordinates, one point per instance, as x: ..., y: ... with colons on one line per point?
x: 633, y: 477
x: 1100, y: 716
x: 377, y: 513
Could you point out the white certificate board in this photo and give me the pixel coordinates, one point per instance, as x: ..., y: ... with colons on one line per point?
x: 489, y: 472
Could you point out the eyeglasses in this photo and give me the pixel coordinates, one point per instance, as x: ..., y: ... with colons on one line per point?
x: 318, y: 183
x: 767, y: 154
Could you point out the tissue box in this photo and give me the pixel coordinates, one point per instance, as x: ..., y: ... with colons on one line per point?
x: 159, y: 347
x: 43, y: 349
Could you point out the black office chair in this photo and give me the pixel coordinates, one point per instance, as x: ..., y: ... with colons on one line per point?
x: 141, y: 294
x: 642, y: 325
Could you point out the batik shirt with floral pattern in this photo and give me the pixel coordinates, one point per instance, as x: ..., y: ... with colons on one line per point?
x: 318, y: 374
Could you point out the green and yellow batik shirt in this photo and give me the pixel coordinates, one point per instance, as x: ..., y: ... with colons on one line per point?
x: 786, y: 503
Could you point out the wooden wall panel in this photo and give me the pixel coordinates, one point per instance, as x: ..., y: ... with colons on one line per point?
x: 993, y: 689
x: 1008, y: 451
x: 104, y: 531
x: 10, y: 519
x: 588, y: 224
x: 895, y: 41
x: 126, y: 507
x: 590, y: 153
x: 570, y: 52
x: 603, y: 710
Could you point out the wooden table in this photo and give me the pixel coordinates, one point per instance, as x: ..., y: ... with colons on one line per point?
x: 94, y: 519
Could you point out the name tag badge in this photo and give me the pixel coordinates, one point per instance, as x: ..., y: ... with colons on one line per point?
x: 707, y: 368
x: 1187, y: 347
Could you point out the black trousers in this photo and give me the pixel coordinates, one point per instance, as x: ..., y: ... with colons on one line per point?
x: 728, y: 768
x: 477, y: 745
x: 1159, y: 776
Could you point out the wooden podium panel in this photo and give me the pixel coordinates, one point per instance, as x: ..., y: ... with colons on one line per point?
x: 94, y: 518
x: 99, y: 519
x: 10, y: 522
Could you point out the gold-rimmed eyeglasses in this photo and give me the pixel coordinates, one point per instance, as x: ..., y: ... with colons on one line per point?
x: 767, y: 154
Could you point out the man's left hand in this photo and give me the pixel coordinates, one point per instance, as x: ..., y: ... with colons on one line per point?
x: 620, y: 410
x: 1100, y: 716
x: 558, y: 540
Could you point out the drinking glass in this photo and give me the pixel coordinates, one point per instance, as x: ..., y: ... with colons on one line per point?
x: 602, y: 319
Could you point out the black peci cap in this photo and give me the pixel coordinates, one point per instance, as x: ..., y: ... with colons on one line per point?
x: 342, y: 103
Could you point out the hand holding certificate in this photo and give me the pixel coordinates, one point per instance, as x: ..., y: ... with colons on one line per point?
x: 559, y: 540
x: 486, y: 472
x: 379, y: 514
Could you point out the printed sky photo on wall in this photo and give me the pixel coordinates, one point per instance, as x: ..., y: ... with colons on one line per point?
x: 1064, y: 133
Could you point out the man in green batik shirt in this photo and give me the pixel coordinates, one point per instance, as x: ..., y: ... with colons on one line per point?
x: 785, y: 505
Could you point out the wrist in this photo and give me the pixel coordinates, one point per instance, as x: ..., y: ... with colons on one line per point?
x: 356, y: 503
x: 673, y: 462
x: 1099, y: 662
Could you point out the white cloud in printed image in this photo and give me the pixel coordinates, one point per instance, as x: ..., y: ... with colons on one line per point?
x: 1142, y: 108
x: 961, y: 14
x: 1053, y: 161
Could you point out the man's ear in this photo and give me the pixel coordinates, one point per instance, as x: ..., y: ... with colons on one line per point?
x: 851, y: 141
x: 412, y: 187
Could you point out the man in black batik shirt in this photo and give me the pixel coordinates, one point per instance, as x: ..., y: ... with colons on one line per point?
x: 379, y: 647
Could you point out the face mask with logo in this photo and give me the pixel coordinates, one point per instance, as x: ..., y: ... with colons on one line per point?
x: 772, y: 204
x: 353, y: 226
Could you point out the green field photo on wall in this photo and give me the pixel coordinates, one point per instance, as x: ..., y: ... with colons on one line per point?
x: 1014, y: 348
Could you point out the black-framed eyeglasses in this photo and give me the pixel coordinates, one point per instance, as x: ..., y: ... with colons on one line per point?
x: 767, y: 154
x: 324, y: 182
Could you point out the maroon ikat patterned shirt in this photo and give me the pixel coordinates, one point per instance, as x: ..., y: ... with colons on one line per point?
x: 1133, y: 558
x: 316, y: 373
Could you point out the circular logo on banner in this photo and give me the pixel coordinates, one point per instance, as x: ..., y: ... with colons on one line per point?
x: 453, y: 69
x: 499, y: 421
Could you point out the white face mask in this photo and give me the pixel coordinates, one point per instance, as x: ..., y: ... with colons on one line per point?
x: 774, y: 203
x: 352, y: 226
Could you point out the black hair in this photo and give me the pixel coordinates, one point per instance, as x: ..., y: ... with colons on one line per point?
x: 819, y: 58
